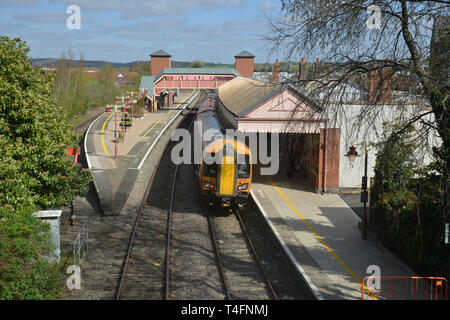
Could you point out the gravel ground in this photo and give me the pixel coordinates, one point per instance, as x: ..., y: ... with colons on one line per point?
x: 193, y: 272
x: 145, y: 272
x: 244, y: 279
x: 284, y: 279
x: 193, y: 268
x: 108, y: 236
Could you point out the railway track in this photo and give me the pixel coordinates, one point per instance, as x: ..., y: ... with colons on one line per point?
x: 181, y: 249
x: 200, y: 250
x: 252, y: 264
x: 242, y: 272
x: 146, y: 261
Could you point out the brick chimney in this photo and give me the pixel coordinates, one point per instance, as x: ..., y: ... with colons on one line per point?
x: 386, y: 83
x: 159, y: 61
x: 245, y: 64
x: 302, y: 69
x: 380, y: 84
x: 276, y: 72
x: 373, y: 83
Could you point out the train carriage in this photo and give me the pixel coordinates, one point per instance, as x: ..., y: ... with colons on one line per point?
x: 225, y: 173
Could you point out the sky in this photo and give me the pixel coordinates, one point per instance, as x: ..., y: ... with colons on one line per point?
x: 130, y: 30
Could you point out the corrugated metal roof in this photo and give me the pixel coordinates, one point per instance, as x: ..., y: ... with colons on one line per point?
x: 241, y: 95
x: 160, y: 53
x: 244, y: 54
x: 147, y: 84
x: 217, y: 71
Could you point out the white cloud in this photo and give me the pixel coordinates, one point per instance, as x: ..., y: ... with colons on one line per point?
x: 19, y: 2
x: 265, y: 5
x: 150, y: 25
x: 50, y: 17
x: 138, y: 8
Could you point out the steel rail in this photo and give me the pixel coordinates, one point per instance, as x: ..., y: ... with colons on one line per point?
x: 255, y: 254
x: 136, y: 223
x: 169, y: 218
x: 211, y: 230
x: 219, y: 259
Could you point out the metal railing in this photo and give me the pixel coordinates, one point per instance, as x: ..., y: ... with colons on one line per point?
x: 80, y: 244
x: 404, y: 288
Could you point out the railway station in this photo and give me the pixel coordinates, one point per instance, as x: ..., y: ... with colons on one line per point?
x: 164, y: 81
x: 225, y: 154
x: 313, y: 227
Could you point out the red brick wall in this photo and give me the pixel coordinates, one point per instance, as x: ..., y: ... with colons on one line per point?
x: 159, y: 63
x: 380, y: 83
x: 332, y: 163
x: 245, y: 66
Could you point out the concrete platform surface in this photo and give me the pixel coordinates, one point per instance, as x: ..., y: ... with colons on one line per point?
x: 320, y: 234
x: 114, y: 178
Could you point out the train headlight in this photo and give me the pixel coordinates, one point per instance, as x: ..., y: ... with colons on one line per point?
x: 243, y: 186
x: 209, y: 185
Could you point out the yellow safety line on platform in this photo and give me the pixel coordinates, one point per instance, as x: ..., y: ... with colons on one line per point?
x: 324, y: 244
x: 103, y: 130
x: 157, y: 122
x: 167, y: 114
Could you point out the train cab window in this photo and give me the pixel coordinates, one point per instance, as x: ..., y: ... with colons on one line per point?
x: 244, y: 167
x: 210, y: 170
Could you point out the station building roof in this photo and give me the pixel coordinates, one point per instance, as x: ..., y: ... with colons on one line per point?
x: 197, y: 71
x: 147, y: 84
x: 244, y: 54
x: 160, y: 53
x: 263, y: 106
x: 241, y: 95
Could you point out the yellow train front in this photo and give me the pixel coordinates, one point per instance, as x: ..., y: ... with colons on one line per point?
x: 225, y: 173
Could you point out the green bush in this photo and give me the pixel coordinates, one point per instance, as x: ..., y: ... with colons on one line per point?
x: 406, y: 207
x: 35, y: 173
x: 23, y: 273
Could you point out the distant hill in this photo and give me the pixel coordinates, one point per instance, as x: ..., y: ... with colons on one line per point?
x: 52, y: 62
x: 261, y: 67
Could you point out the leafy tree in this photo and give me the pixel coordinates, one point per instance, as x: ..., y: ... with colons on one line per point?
x: 405, y: 201
x: 197, y: 64
x: 77, y: 91
x: 410, y: 45
x: 142, y: 68
x: 35, y: 173
x: 395, y: 168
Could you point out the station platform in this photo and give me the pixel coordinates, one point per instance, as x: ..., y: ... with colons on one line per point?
x: 114, y: 178
x: 320, y: 235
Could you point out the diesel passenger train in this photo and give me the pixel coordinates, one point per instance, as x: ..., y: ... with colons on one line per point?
x: 228, y: 180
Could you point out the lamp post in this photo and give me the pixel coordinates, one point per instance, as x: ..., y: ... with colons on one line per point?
x: 364, y: 192
x: 123, y: 102
x: 132, y: 95
x: 116, y: 147
x: 352, y: 154
x: 447, y: 241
